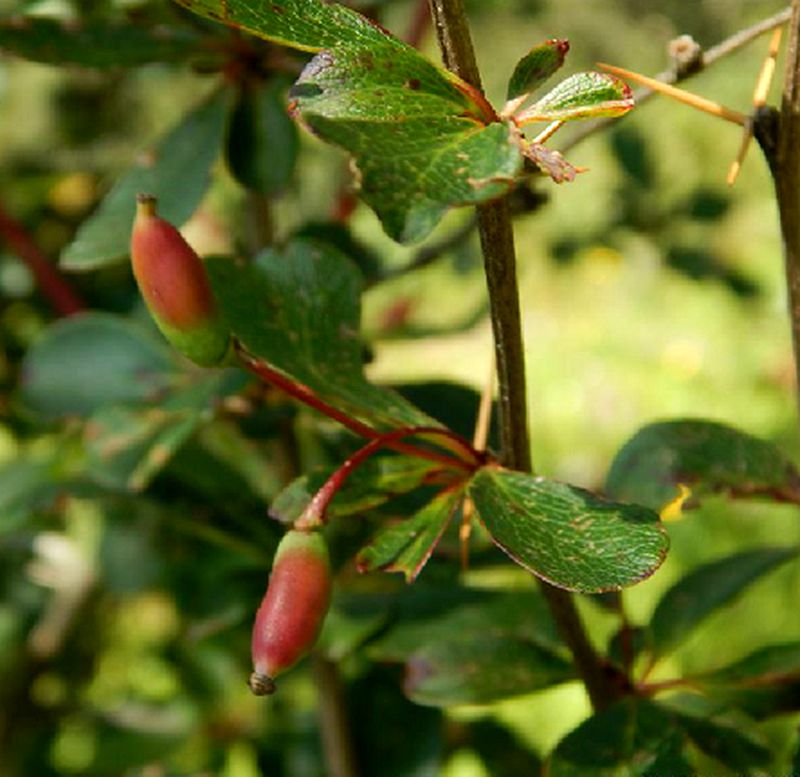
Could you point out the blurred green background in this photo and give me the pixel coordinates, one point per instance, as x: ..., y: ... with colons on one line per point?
x: 650, y: 290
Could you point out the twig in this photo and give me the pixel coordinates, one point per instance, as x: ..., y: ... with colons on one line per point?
x: 760, y: 94
x: 420, y: 21
x: 64, y: 300
x: 786, y: 174
x: 428, y: 254
x: 673, y: 76
x: 497, y: 242
x: 695, y: 101
x: 337, y: 740
x: 308, y: 397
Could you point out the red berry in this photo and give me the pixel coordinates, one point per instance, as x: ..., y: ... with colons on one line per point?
x: 173, y: 281
x: 293, y: 609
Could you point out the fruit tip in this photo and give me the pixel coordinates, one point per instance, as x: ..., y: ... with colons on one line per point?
x: 261, y: 684
x: 146, y: 204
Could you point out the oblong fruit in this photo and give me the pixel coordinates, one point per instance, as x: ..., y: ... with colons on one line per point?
x: 173, y: 281
x: 291, y: 614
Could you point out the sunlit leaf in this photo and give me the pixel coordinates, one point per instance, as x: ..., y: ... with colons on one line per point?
x: 420, y: 144
x: 582, y: 96
x: 310, y: 25
x: 568, y: 536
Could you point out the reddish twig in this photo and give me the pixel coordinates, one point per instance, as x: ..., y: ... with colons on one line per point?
x: 64, y: 300
x: 308, y: 397
x: 419, y: 24
x: 314, y: 514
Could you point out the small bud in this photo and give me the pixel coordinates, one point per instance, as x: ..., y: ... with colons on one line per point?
x: 174, y: 284
x: 293, y: 609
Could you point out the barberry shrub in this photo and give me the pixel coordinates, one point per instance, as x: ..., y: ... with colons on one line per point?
x: 178, y: 437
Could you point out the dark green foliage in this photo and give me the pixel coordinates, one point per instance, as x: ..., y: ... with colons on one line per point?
x: 704, y: 455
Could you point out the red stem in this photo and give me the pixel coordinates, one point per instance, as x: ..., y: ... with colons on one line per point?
x: 64, y: 300
x: 314, y: 514
x: 307, y: 396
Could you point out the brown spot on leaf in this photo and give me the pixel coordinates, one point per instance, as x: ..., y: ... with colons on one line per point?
x: 413, y: 83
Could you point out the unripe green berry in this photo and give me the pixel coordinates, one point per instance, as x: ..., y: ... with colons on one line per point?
x: 291, y: 614
x: 173, y: 281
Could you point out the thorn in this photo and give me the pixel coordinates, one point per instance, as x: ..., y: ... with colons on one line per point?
x: 548, y: 131
x: 693, y: 100
x: 765, y: 76
x: 760, y: 93
x: 736, y: 165
x: 465, y: 532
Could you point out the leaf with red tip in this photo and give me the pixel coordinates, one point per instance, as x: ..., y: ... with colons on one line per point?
x: 581, y: 96
x: 536, y: 67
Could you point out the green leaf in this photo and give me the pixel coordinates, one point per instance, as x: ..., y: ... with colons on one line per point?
x: 763, y: 684
x: 417, y: 133
x: 262, y: 141
x: 501, y: 748
x: 127, y: 446
x: 299, y: 311
x: 702, y: 454
x: 481, y: 668
x: 706, y: 589
x: 629, y: 738
x: 726, y: 744
x: 374, y: 699
x: 581, y: 96
x: 91, y: 360
x: 372, y: 484
x: 477, y: 653
x: 568, y: 536
x: 94, y: 43
x: 771, y: 664
x: 310, y: 25
x: 420, y: 143
x: 177, y: 172
x: 27, y: 484
x: 536, y: 67
x: 522, y: 614
x: 407, y: 545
